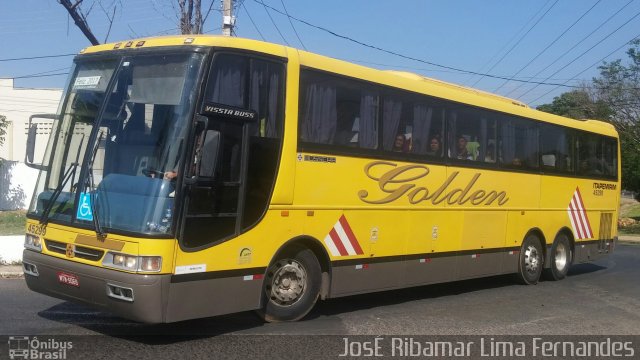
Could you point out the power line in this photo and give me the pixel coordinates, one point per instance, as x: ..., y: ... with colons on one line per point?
x: 293, y: 27
x: 273, y: 22
x: 589, y: 67
x: 574, y: 46
x: 519, y: 41
x: 551, y: 44
x: 37, y: 57
x: 581, y: 55
x: 515, y: 35
x: 43, y: 72
x: 254, y: 24
x: 39, y: 76
x: 344, y: 37
x: 394, y: 67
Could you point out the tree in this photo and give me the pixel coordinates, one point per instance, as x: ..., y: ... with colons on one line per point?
x: 578, y: 104
x: 190, y: 16
x: 4, y: 123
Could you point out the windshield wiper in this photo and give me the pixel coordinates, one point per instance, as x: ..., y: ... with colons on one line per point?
x: 44, y: 218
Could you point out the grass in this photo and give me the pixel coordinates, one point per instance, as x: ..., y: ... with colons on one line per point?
x: 12, y: 222
x: 630, y: 208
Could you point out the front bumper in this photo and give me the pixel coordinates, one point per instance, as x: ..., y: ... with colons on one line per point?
x: 150, y: 292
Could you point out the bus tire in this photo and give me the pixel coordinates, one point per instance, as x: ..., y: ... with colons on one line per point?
x: 291, y: 286
x: 530, y: 261
x: 560, y: 259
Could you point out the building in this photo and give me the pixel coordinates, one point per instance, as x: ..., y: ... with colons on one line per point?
x: 18, y: 104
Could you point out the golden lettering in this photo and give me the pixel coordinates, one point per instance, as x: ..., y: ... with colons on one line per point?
x: 477, y: 197
x: 398, y: 181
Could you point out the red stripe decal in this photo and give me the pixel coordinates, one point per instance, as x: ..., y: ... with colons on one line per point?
x: 337, y: 242
x: 590, y: 233
x: 258, y: 276
x: 577, y: 220
x: 350, y: 235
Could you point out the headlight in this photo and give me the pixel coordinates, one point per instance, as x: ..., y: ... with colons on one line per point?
x: 32, y: 242
x: 150, y: 263
x: 133, y: 263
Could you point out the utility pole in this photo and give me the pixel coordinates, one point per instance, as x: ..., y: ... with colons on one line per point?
x: 227, y: 17
x: 79, y: 20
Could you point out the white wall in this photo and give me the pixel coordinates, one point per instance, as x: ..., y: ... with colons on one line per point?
x: 18, y: 104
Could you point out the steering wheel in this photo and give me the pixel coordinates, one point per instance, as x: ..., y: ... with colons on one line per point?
x: 151, y: 172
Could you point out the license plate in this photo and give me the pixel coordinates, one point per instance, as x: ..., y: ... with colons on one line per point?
x: 69, y: 279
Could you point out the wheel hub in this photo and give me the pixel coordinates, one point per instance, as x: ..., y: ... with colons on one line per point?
x: 287, y: 282
x: 531, y: 259
x: 561, y: 257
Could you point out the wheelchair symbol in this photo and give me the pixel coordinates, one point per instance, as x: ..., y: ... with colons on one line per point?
x: 84, y: 209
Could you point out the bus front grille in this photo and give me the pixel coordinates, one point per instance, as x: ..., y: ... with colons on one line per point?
x: 78, y: 251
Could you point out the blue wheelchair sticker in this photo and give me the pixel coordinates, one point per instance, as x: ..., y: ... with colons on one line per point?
x: 84, y: 208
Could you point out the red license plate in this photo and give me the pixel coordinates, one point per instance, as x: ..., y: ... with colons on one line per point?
x: 69, y: 279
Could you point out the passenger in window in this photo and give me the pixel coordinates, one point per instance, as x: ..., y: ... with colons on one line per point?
x: 435, y: 148
x: 461, y: 149
x: 399, y: 143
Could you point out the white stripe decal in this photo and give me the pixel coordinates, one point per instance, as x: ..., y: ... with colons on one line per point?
x: 332, y: 247
x: 578, y: 217
x: 573, y: 223
x: 344, y: 239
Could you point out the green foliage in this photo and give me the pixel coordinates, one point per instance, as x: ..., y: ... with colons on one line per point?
x: 12, y: 222
x: 3, y: 126
x: 577, y: 104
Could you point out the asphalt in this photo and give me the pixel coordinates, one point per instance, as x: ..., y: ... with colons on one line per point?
x: 15, y: 271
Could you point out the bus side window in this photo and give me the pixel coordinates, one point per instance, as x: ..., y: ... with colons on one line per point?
x: 556, y: 148
x: 337, y: 111
x: 519, y: 140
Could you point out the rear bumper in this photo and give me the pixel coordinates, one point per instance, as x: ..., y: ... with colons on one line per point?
x: 150, y: 292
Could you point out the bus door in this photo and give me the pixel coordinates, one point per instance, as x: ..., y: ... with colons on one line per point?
x: 239, y: 149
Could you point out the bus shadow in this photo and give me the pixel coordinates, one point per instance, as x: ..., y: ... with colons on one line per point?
x: 583, y: 269
x: 393, y: 297
x: 153, y: 334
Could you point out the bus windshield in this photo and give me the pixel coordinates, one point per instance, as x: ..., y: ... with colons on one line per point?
x: 119, y: 144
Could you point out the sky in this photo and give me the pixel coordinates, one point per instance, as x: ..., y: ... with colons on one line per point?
x: 547, y: 41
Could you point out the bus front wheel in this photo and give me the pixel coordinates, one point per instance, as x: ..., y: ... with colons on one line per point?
x: 560, y: 259
x: 531, y: 261
x: 291, y: 286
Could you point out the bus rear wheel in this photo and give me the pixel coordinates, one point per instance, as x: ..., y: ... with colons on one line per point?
x: 560, y: 259
x: 530, y: 261
x: 291, y: 286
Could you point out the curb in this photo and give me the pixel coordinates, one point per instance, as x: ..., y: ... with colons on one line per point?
x: 11, y: 272
x: 629, y: 239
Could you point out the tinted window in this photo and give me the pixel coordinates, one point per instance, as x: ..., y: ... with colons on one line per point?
x: 338, y: 111
x: 412, y: 125
x: 252, y: 84
x: 597, y: 155
x: 519, y: 143
x: 556, y: 148
x: 471, y: 134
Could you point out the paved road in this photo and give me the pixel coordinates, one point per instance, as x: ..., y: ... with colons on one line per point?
x: 600, y: 298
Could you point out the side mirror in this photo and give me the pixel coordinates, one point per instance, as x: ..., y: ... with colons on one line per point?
x: 32, y: 135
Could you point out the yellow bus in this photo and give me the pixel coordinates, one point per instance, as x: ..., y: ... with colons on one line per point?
x: 193, y: 176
